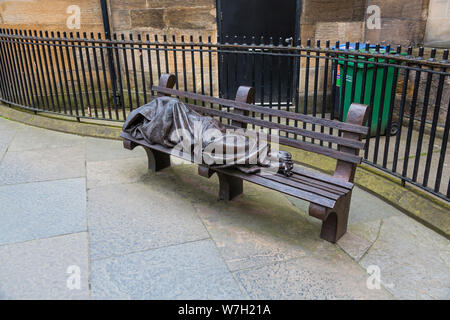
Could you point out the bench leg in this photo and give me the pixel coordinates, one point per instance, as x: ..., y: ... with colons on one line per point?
x: 335, y: 225
x: 229, y: 187
x: 130, y: 145
x: 157, y: 160
x: 334, y: 221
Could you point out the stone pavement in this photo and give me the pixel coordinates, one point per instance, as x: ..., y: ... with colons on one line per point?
x: 72, y: 205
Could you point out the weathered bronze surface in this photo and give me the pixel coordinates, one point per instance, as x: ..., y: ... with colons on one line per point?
x: 286, y: 163
x: 169, y: 122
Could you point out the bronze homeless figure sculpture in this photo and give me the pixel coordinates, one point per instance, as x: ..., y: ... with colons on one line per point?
x: 167, y: 127
x: 169, y: 122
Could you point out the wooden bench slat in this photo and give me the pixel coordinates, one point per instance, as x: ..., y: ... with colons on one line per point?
x: 297, y: 193
x: 320, y: 184
x: 319, y: 149
x: 332, y: 153
x: 273, y: 112
x: 297, y: 143
x: 306, y: 187
x: 351, y: 143
x: 323, y: 177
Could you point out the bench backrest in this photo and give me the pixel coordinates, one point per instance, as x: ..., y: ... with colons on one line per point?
x: 239, y: 113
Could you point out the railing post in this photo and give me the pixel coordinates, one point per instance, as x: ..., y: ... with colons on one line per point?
x: 105, y: 17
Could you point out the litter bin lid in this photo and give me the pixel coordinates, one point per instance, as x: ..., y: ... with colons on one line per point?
x: 372, y: 49
x: 362, y: 46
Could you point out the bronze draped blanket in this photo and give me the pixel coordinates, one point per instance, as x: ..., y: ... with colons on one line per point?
x: 169, y: 122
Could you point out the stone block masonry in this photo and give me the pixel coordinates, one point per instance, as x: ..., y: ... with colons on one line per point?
x: 164, y: 17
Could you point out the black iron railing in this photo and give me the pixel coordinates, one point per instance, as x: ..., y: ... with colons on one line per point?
x: 90, y: 77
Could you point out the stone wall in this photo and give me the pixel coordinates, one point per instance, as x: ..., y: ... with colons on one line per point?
x: 197, y: 17
x: 430, y: 104
x: 437, y: 32
x: 49, y: 15
x: 171, y: 18
x: 333, y: 20
x: 402, y: 22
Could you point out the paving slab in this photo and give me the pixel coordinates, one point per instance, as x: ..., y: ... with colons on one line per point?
x: 366, y: 215
x: 3, y: 148
x: 103, y: 173
x: 414, y: 261
x: 6, y: 124
x: 311, y: 277
x: 105, y: 149
x: 256, y: 228
x: 43, y: 209
x: 166, y: 235
x: 42, y: 165
x: 250, y: 237
x: 359, y: 238
x: 367, y: 207
x: 30, y: 138
x: 39, y: 269
x: 132, y: 217
x: 187, y: 271
x: 6, y: 135
x: 364, y: 207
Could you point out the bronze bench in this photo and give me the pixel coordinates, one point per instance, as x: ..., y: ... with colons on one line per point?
x: 329, y: 196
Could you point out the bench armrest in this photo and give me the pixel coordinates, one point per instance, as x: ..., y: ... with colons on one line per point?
x: 357, y: 114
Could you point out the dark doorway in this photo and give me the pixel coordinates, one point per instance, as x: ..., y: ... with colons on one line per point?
x: 258, y: 21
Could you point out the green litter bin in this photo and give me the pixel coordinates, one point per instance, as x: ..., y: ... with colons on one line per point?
x: 379, y: 103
